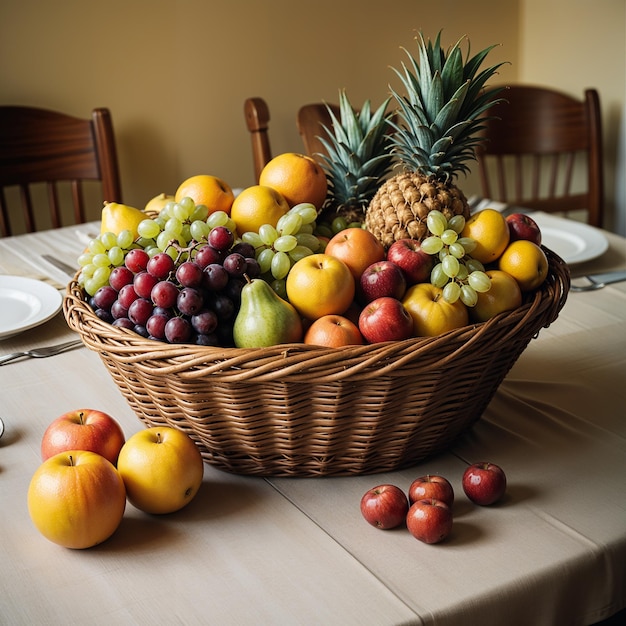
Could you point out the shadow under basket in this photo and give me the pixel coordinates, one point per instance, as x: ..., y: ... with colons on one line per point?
x: 298, y: 410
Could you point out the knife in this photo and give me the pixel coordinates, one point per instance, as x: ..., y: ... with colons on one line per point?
x: 597, y: 281
x: 60, y: 265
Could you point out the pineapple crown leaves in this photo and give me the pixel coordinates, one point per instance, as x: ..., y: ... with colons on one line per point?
x: 443, y: 109
x: 358, y: 152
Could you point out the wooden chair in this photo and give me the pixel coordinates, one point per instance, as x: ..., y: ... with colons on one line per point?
x: 309, y: 121
x: 532, y: 156
x: 42, y: 146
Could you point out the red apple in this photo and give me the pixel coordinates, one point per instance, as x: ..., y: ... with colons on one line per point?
x: 429, y: 520
x: 484, y: 483
x: 432, y: 487
x: 83, y: 429
x: 385, y: 506
x: 385, y: 319
x: 380, y: 279
x: 522, y: 226
x: 408, y: 255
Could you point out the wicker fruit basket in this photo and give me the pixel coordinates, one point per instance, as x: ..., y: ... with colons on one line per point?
x: 298, y: 410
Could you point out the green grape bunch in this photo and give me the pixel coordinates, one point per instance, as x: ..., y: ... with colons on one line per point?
x: 102, y: 254
x: 277, y: 248
x: 178, y: 230
x: 455, y: 272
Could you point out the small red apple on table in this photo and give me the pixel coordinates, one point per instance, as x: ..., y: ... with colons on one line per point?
x: 522, y: 226
x: 385, y: 319
x: 432, y: 487
x: 83, y: 429
x: 429, y: 520
x: 384, y: 506
x: 408, y: 255
x: 484, y: 483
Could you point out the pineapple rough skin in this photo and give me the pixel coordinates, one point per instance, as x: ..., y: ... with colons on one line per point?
x: 401, y: 205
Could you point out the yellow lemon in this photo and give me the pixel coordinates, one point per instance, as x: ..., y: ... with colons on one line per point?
x: 488, y: 228
x: 156, y: 204
x: 257, y: 205
x: 215, y: 193
x: 118, y: 217
x: 526, y: 262
x: 503, y: 295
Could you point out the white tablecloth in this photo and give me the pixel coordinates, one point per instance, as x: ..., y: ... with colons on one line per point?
x: 277, y: 551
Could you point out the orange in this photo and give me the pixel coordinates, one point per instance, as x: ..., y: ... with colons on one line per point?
x: 76, y: 499
x: 488, y: 228
x: 162, y: 469
x: 526, y: 262
x: 333, y: 331
x: 209, y: 190
x: 503, y: 295
x: 298, y: 177
x: 320, y: 284
x: 256, y: 206
x: 357, y: 248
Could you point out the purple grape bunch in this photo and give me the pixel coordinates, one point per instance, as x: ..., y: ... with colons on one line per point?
x: 192, y: 300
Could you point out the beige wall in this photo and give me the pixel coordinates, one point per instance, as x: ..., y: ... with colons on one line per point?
x: 175, y: 74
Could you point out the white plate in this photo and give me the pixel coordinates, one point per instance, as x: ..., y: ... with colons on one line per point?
x: 25, y: 303
x: 573, y: 241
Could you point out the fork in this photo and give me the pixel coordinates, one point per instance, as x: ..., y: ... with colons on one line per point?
x: 40, y: 353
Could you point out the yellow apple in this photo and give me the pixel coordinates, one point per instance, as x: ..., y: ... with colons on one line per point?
x: 76, y: 499
x: 320, y: 284
x: 503, y: 295
x: 156, y: 204
x: 431, y: 314
x: 162, y: 469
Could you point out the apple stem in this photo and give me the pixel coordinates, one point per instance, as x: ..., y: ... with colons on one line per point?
x: 71, y: 460
x: 158, y: 436
x: 81, y: 415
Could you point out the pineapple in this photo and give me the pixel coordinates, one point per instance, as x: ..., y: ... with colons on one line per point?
x: 439, y: 119
x: 358, y: 158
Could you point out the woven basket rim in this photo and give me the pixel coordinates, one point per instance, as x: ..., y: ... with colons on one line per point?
x: 540, y: 310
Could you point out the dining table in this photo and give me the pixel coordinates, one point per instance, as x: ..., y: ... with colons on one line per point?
x: 296, y: 550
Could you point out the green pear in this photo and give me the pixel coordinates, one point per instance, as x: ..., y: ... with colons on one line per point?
x: 264, y: 318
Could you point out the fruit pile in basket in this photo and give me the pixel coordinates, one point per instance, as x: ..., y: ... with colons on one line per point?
x: 334, y: 254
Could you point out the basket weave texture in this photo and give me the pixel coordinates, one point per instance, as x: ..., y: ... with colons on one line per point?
x: 299, y: 410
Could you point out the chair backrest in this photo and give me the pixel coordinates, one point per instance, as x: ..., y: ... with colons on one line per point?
x: 310, y: 121
x: 536, y: 144
x: 257, y: 116
x: 43, y: 146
